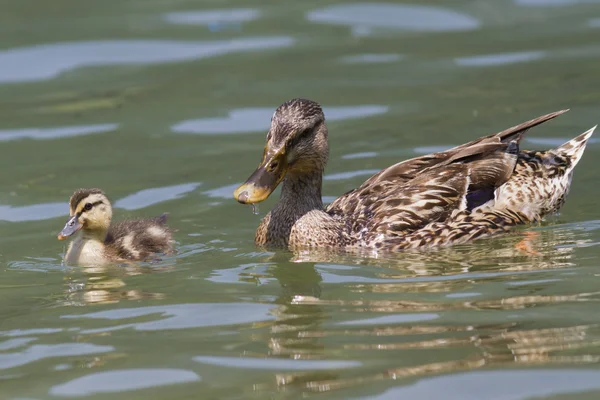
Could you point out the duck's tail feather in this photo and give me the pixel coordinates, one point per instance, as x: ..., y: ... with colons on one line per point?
x: 161, y: 219
x: 574, y: 148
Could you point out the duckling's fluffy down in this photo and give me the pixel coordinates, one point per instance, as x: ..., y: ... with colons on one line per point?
x: 138, y: 239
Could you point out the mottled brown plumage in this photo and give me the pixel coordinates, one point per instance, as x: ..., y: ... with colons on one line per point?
x: 473, y: 190
x: 100, y: 242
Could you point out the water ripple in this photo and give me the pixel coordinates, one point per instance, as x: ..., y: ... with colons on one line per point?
x: 489, y: 60
x: 350, y: 174
x: 123, y: 380
x: 41, y: 351
x: 54, y: 133
x: 209, y: 17
x: 371, y: 58
x: 27, y: 332
x: 278, y: 364
x: 364, y: 16
x: 249, y: 120
x: 366, y: 154
x: 48, y: 61
x: 498, y: 385
x: 135, y: 201
x: 34, y: 212
x: 148, y: 197
x: 182, y: 316
x: 14, y: 343
x: 392, y: 319
x: 552, y: 3
x: 223, y: 192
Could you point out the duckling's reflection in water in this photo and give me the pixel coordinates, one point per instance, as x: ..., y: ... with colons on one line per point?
x: 470, y: 334
x: 106, y: 284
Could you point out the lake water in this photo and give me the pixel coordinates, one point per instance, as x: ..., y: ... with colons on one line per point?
x: 165, y: 106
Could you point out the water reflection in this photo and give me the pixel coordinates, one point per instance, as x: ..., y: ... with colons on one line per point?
x: 528, y: 251
x: 305, y: 326
x: 105, y: 284
x: 329, y: 317
x: 48, y: 61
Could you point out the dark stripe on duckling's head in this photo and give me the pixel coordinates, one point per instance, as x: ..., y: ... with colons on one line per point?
x: 81, y: 194
x: 89, y: 206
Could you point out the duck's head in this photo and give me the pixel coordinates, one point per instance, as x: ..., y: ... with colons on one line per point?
x: 296, y: 146
x: 90, y: 210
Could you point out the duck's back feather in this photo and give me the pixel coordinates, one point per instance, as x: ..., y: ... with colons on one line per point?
x: 393, y: 207
x: 138, y: 239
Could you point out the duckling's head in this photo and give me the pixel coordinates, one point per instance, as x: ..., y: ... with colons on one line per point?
x: 90, y: 210
x: 296, y: 146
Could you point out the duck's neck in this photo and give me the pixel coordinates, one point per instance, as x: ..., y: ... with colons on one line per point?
x: 301, y: 194
x: 97, y: 235
x: 86, y: 248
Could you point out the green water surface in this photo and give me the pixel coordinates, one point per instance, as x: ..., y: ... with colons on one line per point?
x: 165, y: 106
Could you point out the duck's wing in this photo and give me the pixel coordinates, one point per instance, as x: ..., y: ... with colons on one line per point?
x: 515, y: 133
x: 137, y: 239
x: 463, y: 181
x: 407, y: 170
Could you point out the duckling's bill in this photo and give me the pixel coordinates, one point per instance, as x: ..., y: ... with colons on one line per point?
x: 262, y: 182
x: 72, y: 226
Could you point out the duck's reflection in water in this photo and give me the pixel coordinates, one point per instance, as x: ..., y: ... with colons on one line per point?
x: 106, y: 284
x: 520, y: 251
x: 432, y: 312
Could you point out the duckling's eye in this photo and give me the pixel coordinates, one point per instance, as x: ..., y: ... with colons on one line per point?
x: 87, y: 207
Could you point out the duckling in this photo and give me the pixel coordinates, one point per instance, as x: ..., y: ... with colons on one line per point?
x: 451, y: 197
x: 99, y: 242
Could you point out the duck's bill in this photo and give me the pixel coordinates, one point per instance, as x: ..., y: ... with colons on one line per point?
x: 70, y: 228
x: 259, y: 186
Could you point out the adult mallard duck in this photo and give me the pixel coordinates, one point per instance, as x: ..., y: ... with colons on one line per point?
x: 99, y: 242
x: 474, y: 190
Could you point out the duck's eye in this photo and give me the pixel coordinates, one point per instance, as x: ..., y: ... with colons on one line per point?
x: 274, y: 164
x: 87, y: 207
